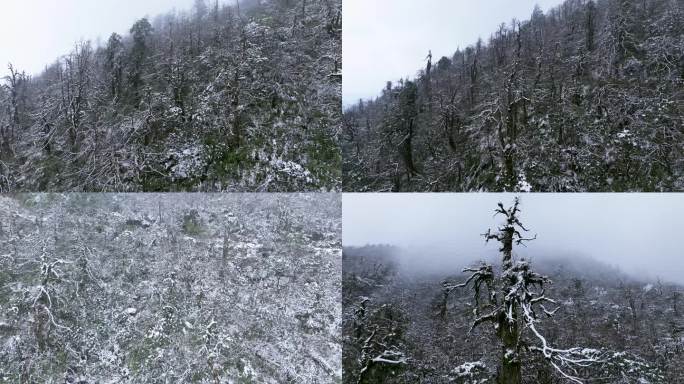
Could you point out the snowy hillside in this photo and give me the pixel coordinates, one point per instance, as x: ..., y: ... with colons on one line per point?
x: 217, y: 98
x: 585, y: 97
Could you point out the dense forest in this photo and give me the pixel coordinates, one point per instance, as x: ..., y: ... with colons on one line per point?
x: 587, y: 97
x: 559, y: 319
x: 170, y: 288
x: 243, y: 97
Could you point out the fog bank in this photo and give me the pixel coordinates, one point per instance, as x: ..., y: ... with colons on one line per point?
x: 638, y: 233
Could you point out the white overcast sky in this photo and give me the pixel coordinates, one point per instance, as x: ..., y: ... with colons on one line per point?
x: 34, y: 33
x: 640, y: 233
x: 389, y: 39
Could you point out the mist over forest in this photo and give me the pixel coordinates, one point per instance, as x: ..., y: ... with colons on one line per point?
x: 435, y: 262
x: 526, y: 296
x: 633, y: 233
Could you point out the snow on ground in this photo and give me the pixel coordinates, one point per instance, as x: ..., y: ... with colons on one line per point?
x: 225, y: 288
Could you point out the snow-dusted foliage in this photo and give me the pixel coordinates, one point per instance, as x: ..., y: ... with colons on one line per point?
x: 470, y: 373
x: 381, y: 350
x: 174, y: 288
x: 224, y: 97
x: 587, y: 97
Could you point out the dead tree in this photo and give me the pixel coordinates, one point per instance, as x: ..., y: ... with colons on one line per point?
x: 513, y: 301
x: 75, y: 86
x: 16, y: 87
x: 675, y: 300
x: 42, y: 302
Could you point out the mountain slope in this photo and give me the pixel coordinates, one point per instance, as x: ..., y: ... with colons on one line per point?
x: 585, y: 98
x: 242, y: 98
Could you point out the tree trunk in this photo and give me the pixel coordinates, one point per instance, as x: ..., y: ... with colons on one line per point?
x: 407, y: 149
x: 511, y: 368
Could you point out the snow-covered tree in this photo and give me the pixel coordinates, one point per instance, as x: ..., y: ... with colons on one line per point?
x: 513, y: 299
